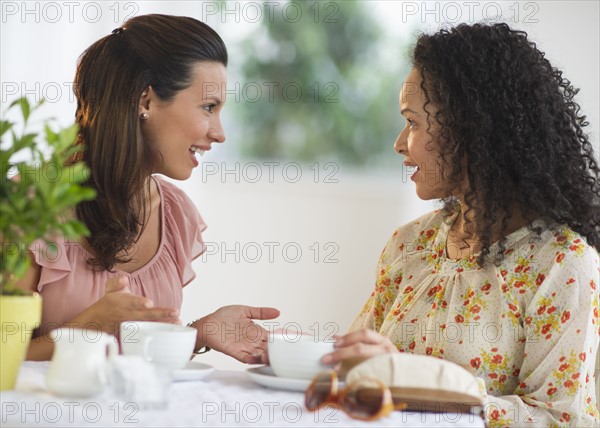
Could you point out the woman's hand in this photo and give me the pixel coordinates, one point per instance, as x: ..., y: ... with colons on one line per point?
x: 117, y: 305
x: 359, y: 345
x: 230, y: 330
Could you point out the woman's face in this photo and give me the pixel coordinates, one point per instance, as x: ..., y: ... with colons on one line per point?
x: 417, y: 143
x: 188, y: 123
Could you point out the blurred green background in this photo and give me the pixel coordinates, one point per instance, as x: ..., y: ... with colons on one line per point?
x: 319, y: 81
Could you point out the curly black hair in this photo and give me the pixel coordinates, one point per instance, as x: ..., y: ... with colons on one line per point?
x: 511, y: 115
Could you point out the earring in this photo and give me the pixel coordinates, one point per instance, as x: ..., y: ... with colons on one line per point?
x: 144, y: 116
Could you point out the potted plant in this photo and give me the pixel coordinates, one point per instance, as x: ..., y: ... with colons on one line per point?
x: 37, y: 196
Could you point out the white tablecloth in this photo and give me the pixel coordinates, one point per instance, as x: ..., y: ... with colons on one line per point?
x: 224, y: 398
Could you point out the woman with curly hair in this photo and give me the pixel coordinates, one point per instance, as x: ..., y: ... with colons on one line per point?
x: 504, y: 279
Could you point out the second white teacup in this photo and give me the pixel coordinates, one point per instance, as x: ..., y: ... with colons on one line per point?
x: 298, y: 356
x: 166, y: 345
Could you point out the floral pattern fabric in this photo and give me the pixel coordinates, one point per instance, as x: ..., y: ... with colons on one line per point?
x: 528, y: 328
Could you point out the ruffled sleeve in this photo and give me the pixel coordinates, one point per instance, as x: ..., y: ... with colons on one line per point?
x: 52, y: 258
x: 183, y: 227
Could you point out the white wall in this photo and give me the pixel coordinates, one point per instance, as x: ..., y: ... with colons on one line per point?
x: 356, y: 215
x: 350, y: 221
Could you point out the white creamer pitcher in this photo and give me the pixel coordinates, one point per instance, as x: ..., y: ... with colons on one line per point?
x: 79, y: 363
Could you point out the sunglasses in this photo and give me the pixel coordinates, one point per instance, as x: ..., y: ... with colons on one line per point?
x: 365, y: 399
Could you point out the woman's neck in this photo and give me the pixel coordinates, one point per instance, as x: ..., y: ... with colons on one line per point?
x: 463, y: 234
x: 150, y: 202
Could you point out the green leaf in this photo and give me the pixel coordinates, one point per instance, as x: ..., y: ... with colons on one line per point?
x: 66, y: 137
x: 38, y: 202
x: 39, y: 104
x: 5, y: 165
x: 5, y: 125
x: 25, y: 108
x: 81, y: 229
x: 72, y: 151
x: 68, y: 230
x: 77, y: 173
x: 25, y: 142
x: 51, y: 136
x: 15, y: 102
x: 86, y: 193
x: 21, y: 268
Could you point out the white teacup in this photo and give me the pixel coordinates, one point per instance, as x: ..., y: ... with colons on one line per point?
x: 168, y: 346
x: 296, y: 355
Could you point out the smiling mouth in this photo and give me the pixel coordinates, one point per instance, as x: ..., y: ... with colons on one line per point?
x: 412, y: 169
x: 196, y: 150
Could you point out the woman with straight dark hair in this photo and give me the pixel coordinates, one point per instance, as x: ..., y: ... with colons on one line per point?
x: 149, y: 97
x: 504, y: 279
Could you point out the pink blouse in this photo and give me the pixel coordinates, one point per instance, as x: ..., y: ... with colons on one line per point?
x: 69, y: 286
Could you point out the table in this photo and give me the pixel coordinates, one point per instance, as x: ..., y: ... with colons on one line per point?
x: 224, y: 398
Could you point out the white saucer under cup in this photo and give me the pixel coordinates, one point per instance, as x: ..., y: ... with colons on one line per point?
x: 192, y: 371
x: 264, y: 376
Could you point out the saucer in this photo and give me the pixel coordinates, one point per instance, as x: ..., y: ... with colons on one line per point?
x: 264, y: 376
x: 192, y: 371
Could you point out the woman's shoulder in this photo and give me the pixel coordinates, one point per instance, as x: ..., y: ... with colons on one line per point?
x: 180, y: 212
x: 551, y: 258
x: 175, y: 201
x: 566, y: 246
x: 546, y: 245
x: 417, y: 234
x: 428, y: 224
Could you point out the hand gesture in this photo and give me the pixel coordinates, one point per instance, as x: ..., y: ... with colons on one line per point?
x: 117, y: 305
x: 359, y: 345
x: 231, y: 330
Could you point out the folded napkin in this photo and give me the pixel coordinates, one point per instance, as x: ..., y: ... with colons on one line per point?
x: 424, y: 383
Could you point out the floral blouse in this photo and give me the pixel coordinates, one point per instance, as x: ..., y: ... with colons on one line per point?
x: 528, y: 328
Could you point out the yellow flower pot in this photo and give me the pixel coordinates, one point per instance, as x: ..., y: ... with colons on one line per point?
x: 19, y: 315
